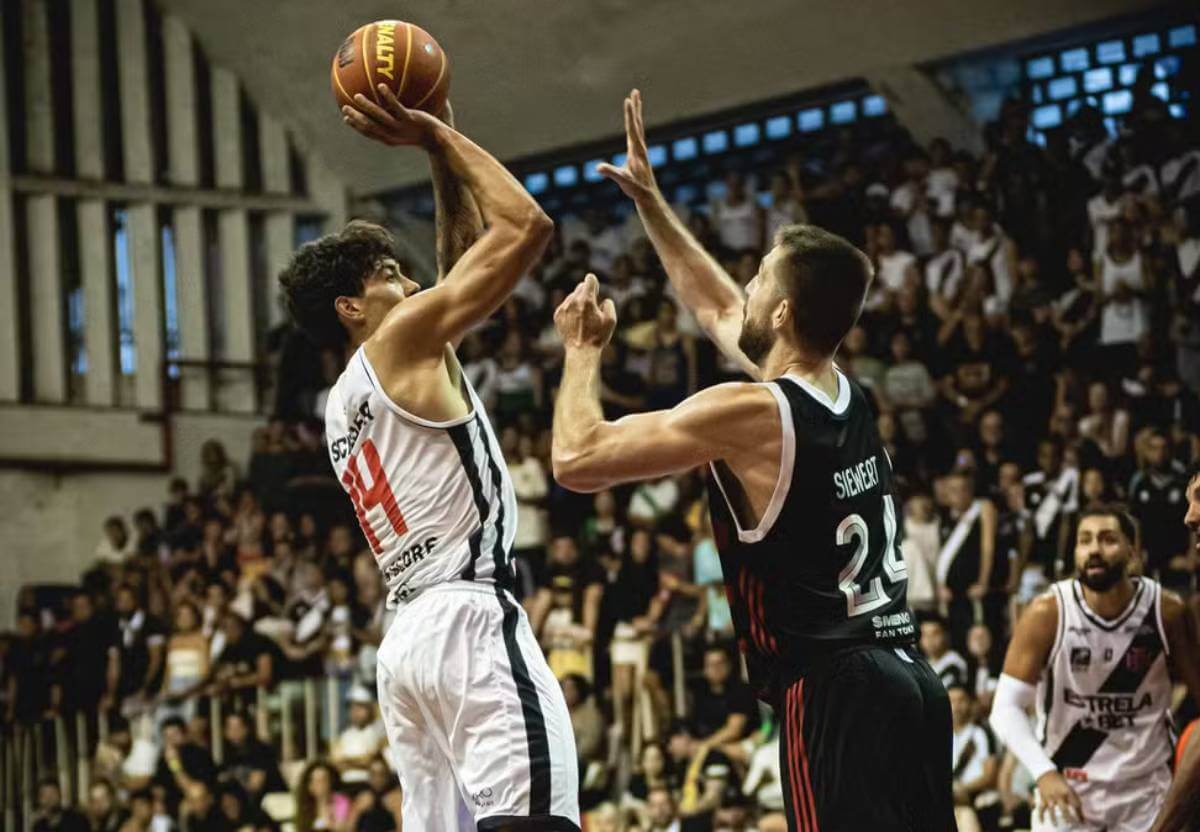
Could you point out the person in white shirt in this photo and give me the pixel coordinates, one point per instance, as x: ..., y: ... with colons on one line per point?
x: 1186, y: 326
x: 943, y: 182
x: 786, y: 208
x: 1104, y: 208
x: 737, y: 218
x: 361, y: 741
x: 910, y: 202
x: 116, y: 544
x: 975, y: 763
x: 1124, y: 282
x: 944, y: 270
x: 894, y: 267
x: 920, y: 550
x: 993, y: 250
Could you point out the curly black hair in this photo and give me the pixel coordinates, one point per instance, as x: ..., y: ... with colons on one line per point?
x: 328, y: 268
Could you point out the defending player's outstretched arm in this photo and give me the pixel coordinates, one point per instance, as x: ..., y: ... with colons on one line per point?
x: 714, y: 297
x: 591, y: 454
x: 518, y: 231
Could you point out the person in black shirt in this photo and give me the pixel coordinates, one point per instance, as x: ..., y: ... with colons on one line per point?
x: 200, y: 812
x: 103, y: 813
x: 89, y: 666
x: 241, y: 811
x: 28, y: 671
x: 723, y: 707
x: 248, y: 661
x: 248, y: 760
x: 51, y: 815
x: 141, y: 648
x: 1157, y: 496
x: 182, y: 764
x: 377, y: 808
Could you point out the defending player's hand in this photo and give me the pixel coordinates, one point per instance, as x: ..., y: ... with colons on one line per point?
x: 581, y: 320
x: 636, y: 176
x: 1058, y: 798
x: 392, y: 123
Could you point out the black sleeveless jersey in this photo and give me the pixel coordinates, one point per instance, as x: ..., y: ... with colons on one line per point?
x: 823, y: 570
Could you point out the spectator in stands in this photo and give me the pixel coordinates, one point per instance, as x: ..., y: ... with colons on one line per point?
x: 115, y: 544
x: 249, y: 761
x: 1105, y: 428
x: 1052, y: 498
x: 909, y: 388
x: 199, y: 809
x: 661, y: 814
x: 1124, y: 280
x: 218, y: 476
x: 787, y: 205
x: 141, y: 812
x: 587, y: 721
x: 531, y: 486
x: 975, y: 765
x: 28, y: 671
x: 920, y: 546
x: 306, y: 609
x: 948, y: 664
x: 967, y: 556
x: 182, y: 764
x: 359, y: 742
x: 895, y: 267
x: 247, y: 661
x: 88, y: 668
x: 670, y: 357
x: 737, y: 217
x: 103, y: 812
x: 377, y: 807
x: 141, y: 648
x: 51, y: 815
x: 1157, y: 498
x: 240, y: 812
x: 723, y: 708
x: 320, y: 804
x: 566, y: 612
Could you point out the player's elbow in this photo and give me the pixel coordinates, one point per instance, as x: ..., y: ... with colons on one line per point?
x: 572, y: 471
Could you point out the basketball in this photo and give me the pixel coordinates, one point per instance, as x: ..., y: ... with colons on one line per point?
x: 402, y: 55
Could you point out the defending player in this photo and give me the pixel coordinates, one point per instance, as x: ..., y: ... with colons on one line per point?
x: 1101, y: 649
x: 476, y: 720
x: 803, y: 512
x: 1181, y: 811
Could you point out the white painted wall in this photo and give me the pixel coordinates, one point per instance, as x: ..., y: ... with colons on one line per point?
x: 50, y: 523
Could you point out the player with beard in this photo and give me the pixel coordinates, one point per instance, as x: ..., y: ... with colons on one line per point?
x: 803, y: 508
x: 1102, y: 649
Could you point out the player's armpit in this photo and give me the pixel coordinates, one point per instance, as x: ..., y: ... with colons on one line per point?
x: 721, y: 422
x: 1033, y: 639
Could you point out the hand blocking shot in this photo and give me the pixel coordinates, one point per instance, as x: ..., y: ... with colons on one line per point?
x: 803, y: 510
x: 476, y: 721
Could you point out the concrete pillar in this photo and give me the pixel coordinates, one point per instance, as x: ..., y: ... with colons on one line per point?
x: 85, y: 84
x: 273, y: 153
x: 227, y: 128
x: 237, y: 389
x: 182, y: 139
x: 279, y: 229
x: 147, y: 305
x: 327, y: 191
x: 10, y: 346
x: 924, y: 108
x: 99, y: 332
x: 190, y: 279
x: 46, y: 301
x: 39, y: 105
x: 135, y: 93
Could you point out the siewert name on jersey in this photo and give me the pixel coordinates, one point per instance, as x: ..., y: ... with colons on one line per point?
x: 856, y: 479
x: 340, y: 448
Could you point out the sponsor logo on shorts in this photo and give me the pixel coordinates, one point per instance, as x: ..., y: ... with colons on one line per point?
x: 483, y: 797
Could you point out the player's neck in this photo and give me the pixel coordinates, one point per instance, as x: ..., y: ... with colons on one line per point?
x: 1112, y: 602
x: 817, y: 372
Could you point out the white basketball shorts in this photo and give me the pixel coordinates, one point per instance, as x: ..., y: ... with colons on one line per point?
x: 475, y: 719
x: 1129, y: 806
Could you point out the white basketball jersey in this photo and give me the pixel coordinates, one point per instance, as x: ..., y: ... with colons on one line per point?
x: 433, y: 498
x: 1104, y: 701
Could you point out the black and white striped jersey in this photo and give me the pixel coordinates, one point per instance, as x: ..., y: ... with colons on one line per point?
x: 1104, y: 700
x: 434, y: 499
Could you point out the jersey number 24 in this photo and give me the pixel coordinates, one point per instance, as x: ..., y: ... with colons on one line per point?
x: 854, y: 527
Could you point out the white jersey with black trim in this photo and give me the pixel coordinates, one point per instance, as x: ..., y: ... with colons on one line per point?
x: 1104, y: 700
x: 434, y: 499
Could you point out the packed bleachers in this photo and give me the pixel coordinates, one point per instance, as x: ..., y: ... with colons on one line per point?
x: 1032, y: 340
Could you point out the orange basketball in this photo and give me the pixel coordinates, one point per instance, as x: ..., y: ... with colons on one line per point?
x: 392, y: 52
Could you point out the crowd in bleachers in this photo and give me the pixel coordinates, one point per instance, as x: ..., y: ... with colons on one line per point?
x: 1031, y: 346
